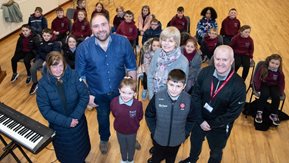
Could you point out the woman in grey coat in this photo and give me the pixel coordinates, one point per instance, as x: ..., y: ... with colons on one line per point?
x: 165, y: 59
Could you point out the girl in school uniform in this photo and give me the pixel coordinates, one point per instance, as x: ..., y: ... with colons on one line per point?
x: 128, y: 113
x: 193, y: 54
x: 269, y: 80
x: 81, y: 28
x: 243, y: 47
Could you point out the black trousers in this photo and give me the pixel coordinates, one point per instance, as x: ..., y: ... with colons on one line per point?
x: 217, y: 139
x: 144, y: 81
x: 244, y: 61
x: 266, y: 92
x: 164, y: 152
x: 227, y: 40
x: 27, y: 56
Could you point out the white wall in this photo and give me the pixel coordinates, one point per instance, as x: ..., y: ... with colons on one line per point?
x: 27, y: 8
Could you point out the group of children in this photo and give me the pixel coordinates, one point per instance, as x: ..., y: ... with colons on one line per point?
x: 36, y: 41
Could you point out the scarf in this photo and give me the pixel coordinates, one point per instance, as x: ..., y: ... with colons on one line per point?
x: 164, y: 61
x: 190, y: 56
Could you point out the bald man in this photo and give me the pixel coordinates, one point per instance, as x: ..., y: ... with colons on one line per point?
x: 219, y: 95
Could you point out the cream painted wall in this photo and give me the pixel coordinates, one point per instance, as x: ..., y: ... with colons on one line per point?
x: 27, y: 7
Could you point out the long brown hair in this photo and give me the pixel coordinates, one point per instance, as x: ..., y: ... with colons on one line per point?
x: 264, y: 70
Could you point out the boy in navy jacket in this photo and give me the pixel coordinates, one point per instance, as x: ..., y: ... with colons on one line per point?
x: 37, y: 21
x: 154, y: 31
x: 45, y: 47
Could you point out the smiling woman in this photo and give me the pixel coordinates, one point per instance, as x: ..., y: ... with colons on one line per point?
x: 167, y: 58
x: 56, y: 65
x: 62, y: 99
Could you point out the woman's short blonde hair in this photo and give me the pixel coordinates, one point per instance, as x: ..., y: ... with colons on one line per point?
x: 171, y: 32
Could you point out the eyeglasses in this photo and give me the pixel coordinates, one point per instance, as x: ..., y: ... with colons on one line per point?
x: 154, y: 24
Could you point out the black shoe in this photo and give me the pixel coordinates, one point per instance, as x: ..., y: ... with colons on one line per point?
x: 187, y: 160
x: 103, y: 146
x: 150, y: 160
x: 14, y: 77
x: 151, y: 150
x: 28, y: 80
x: 33, y: 88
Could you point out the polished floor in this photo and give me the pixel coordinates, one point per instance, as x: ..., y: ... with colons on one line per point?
x: 269, y: 21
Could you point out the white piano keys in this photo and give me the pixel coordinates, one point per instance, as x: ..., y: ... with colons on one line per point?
x: 19, y: 132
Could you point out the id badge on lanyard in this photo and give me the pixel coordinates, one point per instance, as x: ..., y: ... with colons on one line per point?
x: 214, y: 94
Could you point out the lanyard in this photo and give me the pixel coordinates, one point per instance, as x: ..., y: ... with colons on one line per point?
x: 221, y: 87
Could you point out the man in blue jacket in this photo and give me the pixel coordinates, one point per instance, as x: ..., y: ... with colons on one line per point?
x: 102, y: 61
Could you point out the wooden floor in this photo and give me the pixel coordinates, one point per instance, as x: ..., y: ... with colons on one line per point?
x: 269, y: 20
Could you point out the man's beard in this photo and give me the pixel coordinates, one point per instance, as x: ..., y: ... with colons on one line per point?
x: 102, y: 39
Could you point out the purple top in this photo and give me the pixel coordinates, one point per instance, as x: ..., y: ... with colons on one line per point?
x: 273, y: 78
x: 127, y: 115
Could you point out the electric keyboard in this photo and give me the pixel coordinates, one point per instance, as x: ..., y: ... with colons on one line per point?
x: 25, y: 131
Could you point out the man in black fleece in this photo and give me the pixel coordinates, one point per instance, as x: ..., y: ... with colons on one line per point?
x: 219, y: 95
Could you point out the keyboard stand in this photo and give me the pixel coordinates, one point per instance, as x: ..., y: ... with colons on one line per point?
x: 9, y: 149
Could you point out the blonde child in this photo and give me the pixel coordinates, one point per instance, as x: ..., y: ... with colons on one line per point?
x: 209, y: 43
x: 128, y: 113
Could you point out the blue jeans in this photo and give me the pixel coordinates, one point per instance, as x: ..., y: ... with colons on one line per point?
x: 103, y: 111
